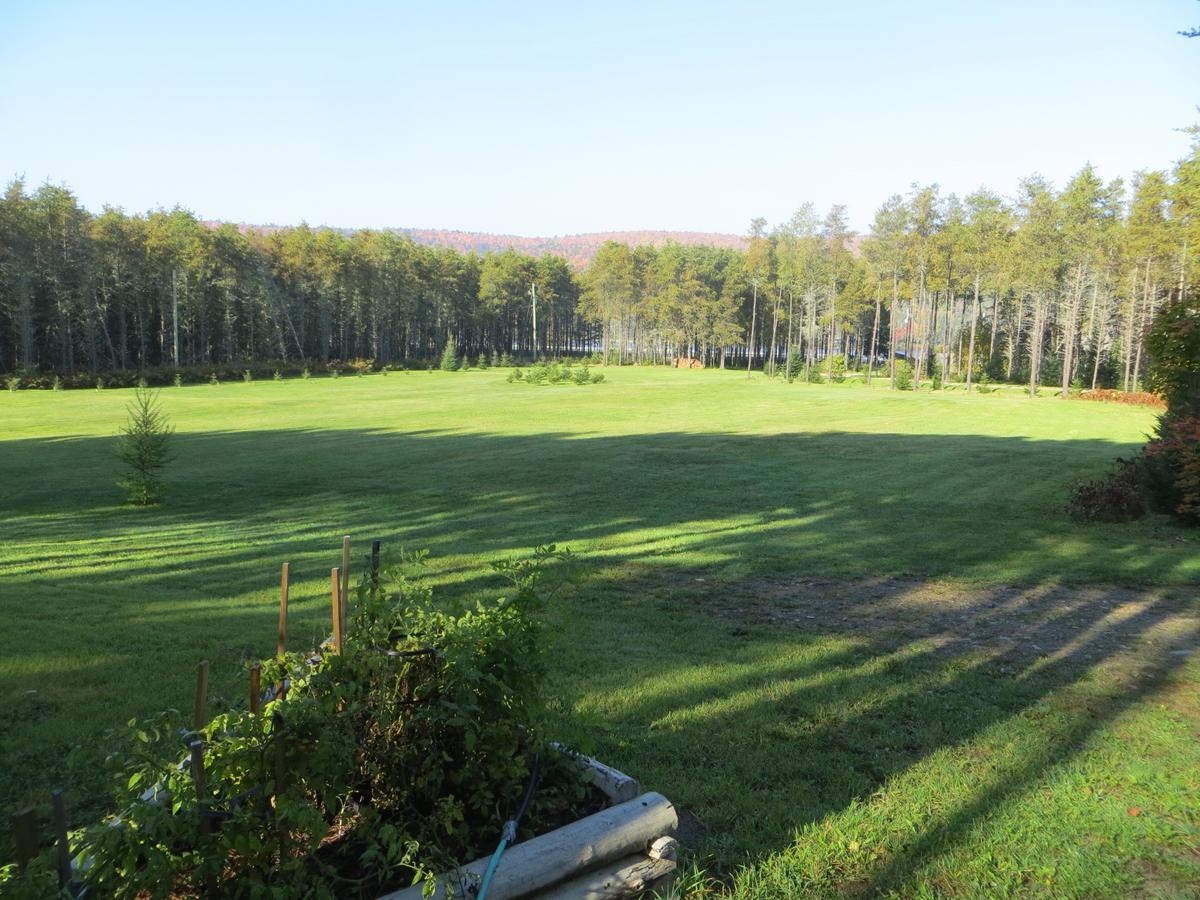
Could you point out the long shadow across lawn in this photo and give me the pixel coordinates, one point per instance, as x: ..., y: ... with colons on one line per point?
x: 799, y: 720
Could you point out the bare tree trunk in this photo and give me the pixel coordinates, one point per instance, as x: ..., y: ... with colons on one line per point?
x: 875, y: 329
x: 1070, y: 327
x: 774, y: 327
x: 753, y: 315
x: 971, y: 345
x: 787, y: 360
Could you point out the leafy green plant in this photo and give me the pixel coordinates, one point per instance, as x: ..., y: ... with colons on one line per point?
x: 212, y: 379
x: 99, y: 384
x: 449, y: 361
x: 837, y: 368
x: 177, y: 380
x: 277, y: 376
x: 505, y: 360
x: 904, y: 375
x: 57, y: 384
x: 794, y: 364
x: 247, y: 376
x: 144, y: 447
x: 306, y: 374
x: 388, y: 762
x: 13, y: 383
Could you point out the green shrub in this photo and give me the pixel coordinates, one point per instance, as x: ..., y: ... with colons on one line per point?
x: 904, y: 375
x: 277, y: 376
x: 334, y: 373
x: 505, y: 360
x: 794, y: 366
x: 449, y: 362
x: 144, y: 447
x: 247, y: 376
x: 177, y: 380
x: 391, y: 765
x: 597, y: 377
x: 481, y: 362
x: 306, y: 374
x: 582, y: 375
x: 515, y: 375
x: 57, y: 384
x: 837, y: 368
x: 99, y: 384
x: 212, y: 379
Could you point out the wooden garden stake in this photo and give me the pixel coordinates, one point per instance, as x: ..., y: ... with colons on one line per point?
x: 197, y: 748
x: 375, y: 565
x: 283, y: 601
x: 255, y: 688
x: 345, y: 580
x: 336, y: 588
x: 200, y: 719
x: 25, y: 835
x: 60, y: 834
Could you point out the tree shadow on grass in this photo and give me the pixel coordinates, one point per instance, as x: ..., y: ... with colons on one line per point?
x: 801, y: 717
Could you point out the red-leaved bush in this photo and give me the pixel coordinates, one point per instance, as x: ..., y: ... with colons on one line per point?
x: 1133, y: 398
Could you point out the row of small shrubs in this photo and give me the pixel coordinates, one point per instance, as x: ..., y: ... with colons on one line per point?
x: 165, y: 376
x: 555, y: 373
x: 219, y: 373
x: 1133, y: 398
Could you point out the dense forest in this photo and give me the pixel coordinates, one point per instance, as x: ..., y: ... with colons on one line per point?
x: 1052, y: 286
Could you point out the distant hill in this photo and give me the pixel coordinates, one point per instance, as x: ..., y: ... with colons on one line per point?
x: 577, y: 249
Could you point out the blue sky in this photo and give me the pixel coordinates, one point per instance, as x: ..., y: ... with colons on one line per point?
x: 561, y: 118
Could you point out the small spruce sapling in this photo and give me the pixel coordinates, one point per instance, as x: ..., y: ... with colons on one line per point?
x: 449, y: 358
x: 144, y: 447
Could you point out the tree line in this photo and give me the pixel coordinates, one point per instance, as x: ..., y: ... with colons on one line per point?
x: 1051, y: 286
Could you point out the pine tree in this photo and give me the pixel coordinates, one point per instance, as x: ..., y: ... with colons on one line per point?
x: 449, y: 358
x: 144, y: 447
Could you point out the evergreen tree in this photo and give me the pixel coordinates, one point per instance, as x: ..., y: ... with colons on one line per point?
x: 144, y: 447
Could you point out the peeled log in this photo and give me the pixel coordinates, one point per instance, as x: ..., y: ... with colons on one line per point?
x: 625, y: 878
x: 615, y: 785
x: 543, y: 861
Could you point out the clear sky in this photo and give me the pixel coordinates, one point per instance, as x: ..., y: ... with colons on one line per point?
x: 564, y: 117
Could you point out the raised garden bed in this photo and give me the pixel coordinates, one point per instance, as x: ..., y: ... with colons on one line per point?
x: 385, y: 756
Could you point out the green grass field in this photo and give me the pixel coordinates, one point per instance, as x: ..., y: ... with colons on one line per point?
x: 852, y: 633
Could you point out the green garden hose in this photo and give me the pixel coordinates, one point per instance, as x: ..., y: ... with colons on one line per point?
x: 509, y: 833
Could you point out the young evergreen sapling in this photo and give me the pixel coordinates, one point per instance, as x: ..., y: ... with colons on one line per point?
x: 144, y: 447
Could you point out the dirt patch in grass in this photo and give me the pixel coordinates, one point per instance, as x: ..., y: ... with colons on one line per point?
x: 1133, y: 627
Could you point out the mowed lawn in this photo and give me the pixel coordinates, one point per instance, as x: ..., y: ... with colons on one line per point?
x: 852, y: 633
